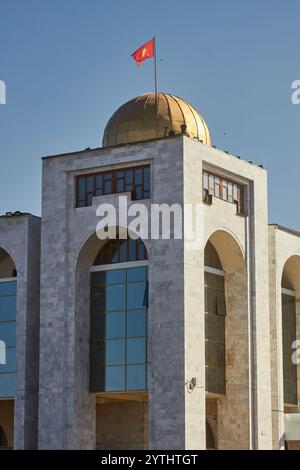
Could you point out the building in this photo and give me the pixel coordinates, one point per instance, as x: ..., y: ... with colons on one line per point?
x: 153, y: 342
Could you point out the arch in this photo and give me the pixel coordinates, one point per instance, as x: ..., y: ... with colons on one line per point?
x: 229, y: 250
x: 3, y: 438
x: 92, y: 245
x: 290, y: 276
x: 211, y: 257
x: 112, y: 279
x: 7, y: 265
x: 210, y: 437
x: 226, y: 335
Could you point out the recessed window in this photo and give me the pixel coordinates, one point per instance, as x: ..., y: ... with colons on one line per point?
x: 215, y: 312
x: 134, y: 180
x: 119, y: 304
x: 119, y: 330
x: 222, y: 188
x: 8, y: 291
x: 288, y: 337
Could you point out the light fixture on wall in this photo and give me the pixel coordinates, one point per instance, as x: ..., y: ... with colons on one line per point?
x: 191, y: 384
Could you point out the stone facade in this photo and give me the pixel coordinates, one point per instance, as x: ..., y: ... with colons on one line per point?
x: 172, y: 416
x: 20, y: 238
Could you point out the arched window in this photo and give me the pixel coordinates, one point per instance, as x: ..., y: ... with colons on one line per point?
x: 3, y: 438
x: 288, y: 301
x: 215, y: 311
x: 120, y: 251
x: 119, y: 303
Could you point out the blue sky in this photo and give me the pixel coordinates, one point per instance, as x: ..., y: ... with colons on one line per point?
x: 67, y: 67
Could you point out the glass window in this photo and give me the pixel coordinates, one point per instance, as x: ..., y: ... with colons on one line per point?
x: 136, y: 323
x: 98, y: 278
x: 136, y: 350
x: 230, y: 192
x: 115, y: 378
x: 138, y: 193
x: 81, y: 188
x: 211, y: 185
x: 147, y: 178
x: 215, y: 311
x: 115, y: 325
x: 7, y: 385
x: 8, y: 333
x: 217, y: 186
x: 99, y: 185
x: 136, y: 377
x: 120, y: 250
x: 8, y: 336
x: 90, y: 184
x: 7, y: 308
x: 137, y: 274
x: 98, y: 353
x: 138, y: 176
x: 10, y: 365
x: 136, y: 295
x: 224, y: 189
x: 115, y: 352
x: 107, y: 184
x: 288, y: 337
x: 129, y: 177
x: 119, y: 333
x: 116, y: 276
x: 110, y: 182
x: 99, y: 299
x: 205, y: 180
x: 116, y: 297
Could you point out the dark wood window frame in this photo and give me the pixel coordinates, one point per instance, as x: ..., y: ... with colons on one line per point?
x: 135, y: 179
x: 223, y: 188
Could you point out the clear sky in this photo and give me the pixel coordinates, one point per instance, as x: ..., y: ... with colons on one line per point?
x: 67, y: 67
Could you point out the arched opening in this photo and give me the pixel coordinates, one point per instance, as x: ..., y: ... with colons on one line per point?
x: 215, y: 311
x: 112, y: 292
x: 8, y: 309
x: 7, y: 266
x: 226, y: 340
x: 3, y: 438
x: 119, y: 303
x: 290, y: 296
x: 210, y: 438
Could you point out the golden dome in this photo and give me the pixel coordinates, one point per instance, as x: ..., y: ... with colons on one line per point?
x: 136, y: 120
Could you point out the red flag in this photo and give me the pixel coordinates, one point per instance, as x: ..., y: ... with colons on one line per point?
x: 144, y: 52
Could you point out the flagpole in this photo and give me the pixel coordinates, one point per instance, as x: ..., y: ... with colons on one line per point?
x: 155, y: 84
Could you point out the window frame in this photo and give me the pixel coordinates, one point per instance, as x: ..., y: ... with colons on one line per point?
x: 114, y: 267
x: 112, y: 177
x: 218, y: 186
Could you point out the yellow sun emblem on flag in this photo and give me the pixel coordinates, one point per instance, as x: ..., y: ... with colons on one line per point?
x: 144, y: 52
